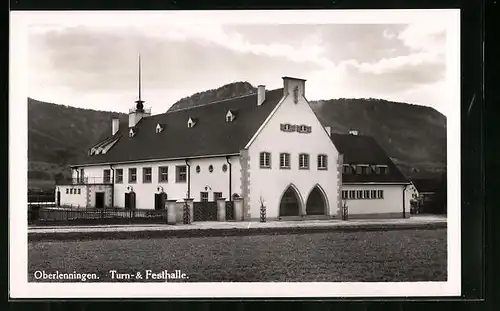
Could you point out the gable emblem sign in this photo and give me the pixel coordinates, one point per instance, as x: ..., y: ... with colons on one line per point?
x: 286, y: 127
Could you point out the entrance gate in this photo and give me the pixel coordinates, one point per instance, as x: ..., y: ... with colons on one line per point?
x: 160, y: 199
x: 316, y: 204
x: 205, y: 211
x: 289, y: 205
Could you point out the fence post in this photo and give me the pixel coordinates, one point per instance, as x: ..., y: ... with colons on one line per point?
x: 171, y: 212
x: 187, y: 216
x: 221, y: 209
x: 238, y: 209
x: 262, y: 213
x: 189, y: 203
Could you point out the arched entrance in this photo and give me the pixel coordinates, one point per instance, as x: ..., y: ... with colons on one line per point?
x: 290, y: 203
x: 316, y: 202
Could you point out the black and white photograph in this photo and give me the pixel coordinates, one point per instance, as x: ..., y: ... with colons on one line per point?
x: 234, y: 154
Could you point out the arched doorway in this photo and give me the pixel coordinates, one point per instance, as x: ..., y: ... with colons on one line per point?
x: 290, y: 203
x: 316, y: 202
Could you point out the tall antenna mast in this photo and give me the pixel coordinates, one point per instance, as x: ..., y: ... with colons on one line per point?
x: 140, y: 102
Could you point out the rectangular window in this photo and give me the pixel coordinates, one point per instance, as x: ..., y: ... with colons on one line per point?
x: 352, y: 194
x: 358, y: 169
x: 79, y: 191
x: 346, y: 169
x: 119, y: 175
x: 382, y: 170
x: 364, y: 169
x: 374, y: 194
x: 71, y: 191
x: 303, y: 161
x: 345, y: 194
x: 67, y: 190
x: 380, y: 194
x: 367, y: 194
x: 132, y: 175
x: 217, y: 195
x: 107, y: 176
x: 181, y: 175
x: 163, y: 174
x: 322, y: 163
x: 146, y: 175
x: 82, y: 175
x: 204, y: 196
x: 265, y: 160
x: 284, y: 160
x: 359, y: 194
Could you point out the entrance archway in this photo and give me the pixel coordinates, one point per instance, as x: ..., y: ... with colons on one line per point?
x: 316, y: 202
x: 290, y: 202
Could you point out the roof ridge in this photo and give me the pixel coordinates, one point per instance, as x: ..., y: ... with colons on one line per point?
x: 213, y: 102
x: 218, y: 101
x: 231, y: 98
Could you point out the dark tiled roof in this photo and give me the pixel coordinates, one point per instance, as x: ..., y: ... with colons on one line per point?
x: 211, y: 135
x: 360, y: 149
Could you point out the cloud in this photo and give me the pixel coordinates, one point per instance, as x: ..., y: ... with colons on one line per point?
x: 336, y: 42
x: 97, y: 65
x: 89, y: 60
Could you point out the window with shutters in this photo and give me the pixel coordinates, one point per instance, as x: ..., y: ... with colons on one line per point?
x: 284, y: 160
x: 163, y: 174
x: 380, y: 194
x: 367, y: 194
x: 204, y: 196
x: 119, y: 176
x: 107, y: 176
x: 345, y: 194
x: 303, y: 161
x: 181, y: 173
x: 265, y: 160
x: 132, y: 175
x: 322, y: 162
x: 352, y: 194
x: 146, y: 175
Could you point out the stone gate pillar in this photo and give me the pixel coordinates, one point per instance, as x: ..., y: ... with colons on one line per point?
x: 170, y: 205
x: 221, y: 209
x: 238, y: 209
x: 191, y: 209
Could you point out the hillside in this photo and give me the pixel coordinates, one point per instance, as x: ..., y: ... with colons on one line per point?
x: 414, y: 136
x: 226, y: 91
x: 58, y: 135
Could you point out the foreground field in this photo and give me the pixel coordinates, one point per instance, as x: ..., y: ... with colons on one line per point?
x: 407, y: 256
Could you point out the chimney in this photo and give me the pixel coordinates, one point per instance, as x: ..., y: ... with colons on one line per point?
x: 353, y: 132
x: 261, y: 94
x: 294, y: 87
x: 328, y: 130
x: 115, y: 126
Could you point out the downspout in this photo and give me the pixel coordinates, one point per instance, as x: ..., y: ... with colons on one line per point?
x: 112, y: 186
x: 229, y: 163
x: 188, y: 178
x: 404, y: 210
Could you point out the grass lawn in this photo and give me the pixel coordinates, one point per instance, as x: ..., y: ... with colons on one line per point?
x: 406, y: 256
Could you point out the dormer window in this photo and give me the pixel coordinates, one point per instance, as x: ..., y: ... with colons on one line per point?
x: 230, y: 116
x: 132, y: 132
x: 159, y: 128
x: 191, y: 122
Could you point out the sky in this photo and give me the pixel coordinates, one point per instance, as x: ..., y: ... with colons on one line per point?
x: 92, y: 61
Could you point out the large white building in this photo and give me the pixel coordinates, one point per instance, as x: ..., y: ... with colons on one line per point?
x: 267, y: 149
